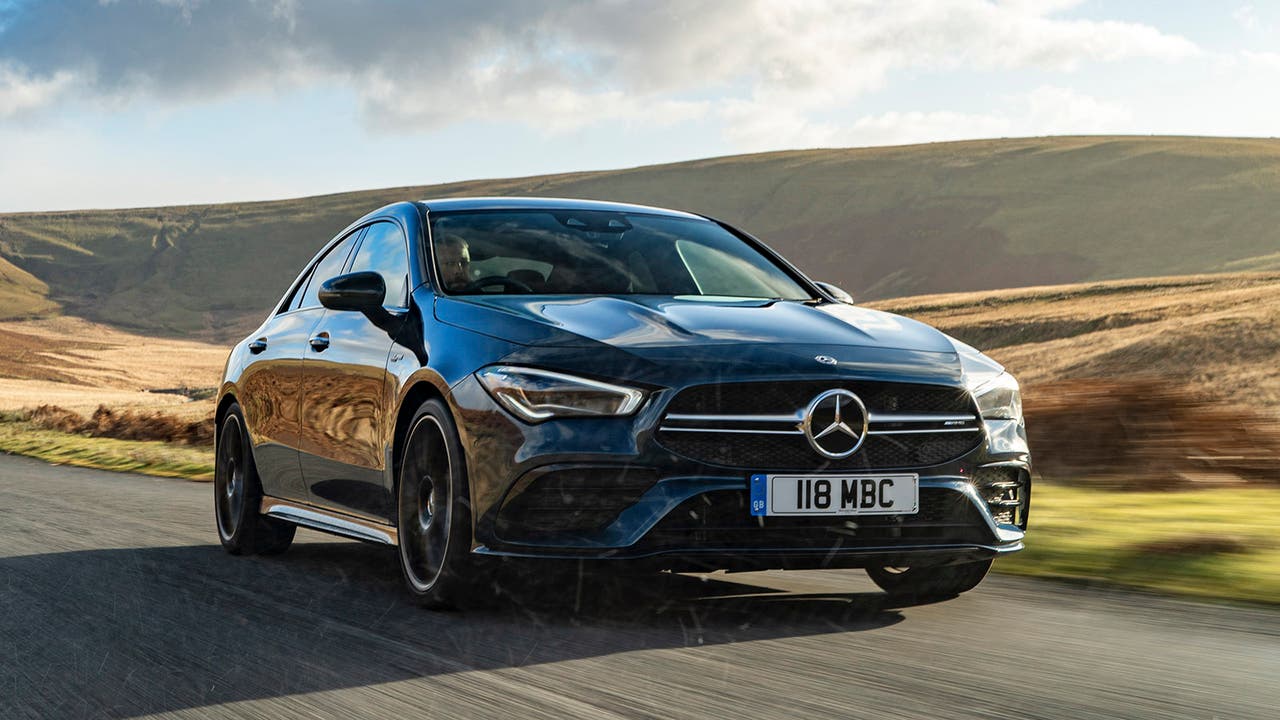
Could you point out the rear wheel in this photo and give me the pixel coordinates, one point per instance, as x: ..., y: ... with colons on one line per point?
x: 434, y: 516
x: 237, y: 495
x: 930, y: 581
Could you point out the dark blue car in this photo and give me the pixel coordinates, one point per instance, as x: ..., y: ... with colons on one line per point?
x: 483, y: 378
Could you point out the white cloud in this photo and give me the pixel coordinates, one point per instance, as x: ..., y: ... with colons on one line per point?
x: 560, y: 66
x: 1264, y: 60
x: 20, y: 92
x: 1247, y: 17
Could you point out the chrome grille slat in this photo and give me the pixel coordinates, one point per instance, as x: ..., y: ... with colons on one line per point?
x: 920, y: 431
x: 736, y: 431
x: 793, y: 420
x: 679, y: 417
x: 875, y: 417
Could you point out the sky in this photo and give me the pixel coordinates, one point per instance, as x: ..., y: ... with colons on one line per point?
x: 128, y: 103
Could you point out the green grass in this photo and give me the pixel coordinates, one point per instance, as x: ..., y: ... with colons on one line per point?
x: 150, y: 458
x: 1097, y: 535
x: 882, y: 222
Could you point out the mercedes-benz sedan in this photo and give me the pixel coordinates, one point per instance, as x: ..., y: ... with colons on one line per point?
x: 468, y: 379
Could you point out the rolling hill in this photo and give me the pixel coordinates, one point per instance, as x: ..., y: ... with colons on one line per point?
x: 881, y: 222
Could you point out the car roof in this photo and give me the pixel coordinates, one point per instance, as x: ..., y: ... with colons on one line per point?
x: 532, y: 203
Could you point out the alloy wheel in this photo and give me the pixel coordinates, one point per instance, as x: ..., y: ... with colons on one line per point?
x: 425, y: 503
x: 229, y: 477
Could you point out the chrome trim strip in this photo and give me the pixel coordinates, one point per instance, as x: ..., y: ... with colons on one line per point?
x: 923, y: 431
x: 732, y: 430
x: 1001, y: 549
x: 678, y: 417
x: 798, y: 416
x: 328, y: 521
x: 919, y: 418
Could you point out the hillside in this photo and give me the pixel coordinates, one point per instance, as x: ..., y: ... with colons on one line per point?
x: 1217, y: 333
x: 881, y: 222
x: 1158, y: 382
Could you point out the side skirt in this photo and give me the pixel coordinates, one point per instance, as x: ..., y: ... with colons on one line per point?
x: 329, y: 521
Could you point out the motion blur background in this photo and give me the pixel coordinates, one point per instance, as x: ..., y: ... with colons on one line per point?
x: 1112, y: 234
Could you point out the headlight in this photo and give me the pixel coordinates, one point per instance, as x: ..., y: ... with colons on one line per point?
x: 999, y: 399
x: 536, y: 395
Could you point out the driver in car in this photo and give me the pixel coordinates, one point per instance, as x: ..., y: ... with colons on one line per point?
x: 453, y: 255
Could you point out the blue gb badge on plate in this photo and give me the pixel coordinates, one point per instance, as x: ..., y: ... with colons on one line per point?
x: 759, y: 495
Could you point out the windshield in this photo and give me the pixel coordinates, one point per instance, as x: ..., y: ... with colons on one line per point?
x: 590, y: 252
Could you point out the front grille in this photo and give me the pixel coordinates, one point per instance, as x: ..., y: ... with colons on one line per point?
x: 760, y: 398
x: 755, y: 426
x: 574, y: 501
x: 721, y: 519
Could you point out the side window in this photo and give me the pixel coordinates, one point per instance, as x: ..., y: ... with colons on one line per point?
x: 384, y: 252
x: 330, y: 266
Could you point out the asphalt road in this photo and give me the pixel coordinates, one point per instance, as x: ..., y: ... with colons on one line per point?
x: 116, y: 601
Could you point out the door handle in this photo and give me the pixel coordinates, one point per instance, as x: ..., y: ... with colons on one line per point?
x: 258, y: 345
x: 320, y: 342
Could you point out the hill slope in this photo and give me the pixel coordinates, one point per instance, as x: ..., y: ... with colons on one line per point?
x: 1215, y: 335
x: 882, y: 222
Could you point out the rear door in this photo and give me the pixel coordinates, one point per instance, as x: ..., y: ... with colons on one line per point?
x: 347, y: 392
x: 271, y: 385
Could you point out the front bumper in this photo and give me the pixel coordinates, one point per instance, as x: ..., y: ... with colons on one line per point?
x: 604, y: 489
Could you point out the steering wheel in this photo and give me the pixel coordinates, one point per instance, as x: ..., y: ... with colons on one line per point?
x: 502, y: 280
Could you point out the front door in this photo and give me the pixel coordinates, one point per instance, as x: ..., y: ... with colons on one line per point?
x: 347, y: 393
x: 271, y: 385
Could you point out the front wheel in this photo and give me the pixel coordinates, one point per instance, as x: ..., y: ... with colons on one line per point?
x: 237, y: 495
x: 936, y: 581
x: 434, y: 514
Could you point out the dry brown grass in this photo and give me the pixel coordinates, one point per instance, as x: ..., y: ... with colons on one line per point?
x: 1145, y: 433
x: 1160, y: 382
x: 124, y: 424
x: 1217, y: 333
x: 80, y: 365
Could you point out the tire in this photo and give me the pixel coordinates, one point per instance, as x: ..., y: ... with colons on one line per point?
x: 237, y: 495
x: 937, y: 581
x: 433, y: 517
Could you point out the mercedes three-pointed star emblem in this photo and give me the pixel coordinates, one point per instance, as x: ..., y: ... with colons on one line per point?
x: 835, y: 423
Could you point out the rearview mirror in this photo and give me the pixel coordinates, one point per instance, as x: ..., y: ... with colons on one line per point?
x: 358, y: 291
x: 836, y: 293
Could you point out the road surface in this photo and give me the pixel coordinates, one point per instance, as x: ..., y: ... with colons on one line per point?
x: 116, y: 601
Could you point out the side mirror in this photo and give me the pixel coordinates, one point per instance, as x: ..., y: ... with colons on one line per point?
x: 835, y: 292
x: 358, y: 291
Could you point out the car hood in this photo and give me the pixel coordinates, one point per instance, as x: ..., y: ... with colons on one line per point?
x: 639, y: 322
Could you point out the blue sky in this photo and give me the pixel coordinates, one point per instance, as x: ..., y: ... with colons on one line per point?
x: 119, y: 103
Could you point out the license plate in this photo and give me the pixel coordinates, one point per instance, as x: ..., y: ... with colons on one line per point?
x: 835, y: 495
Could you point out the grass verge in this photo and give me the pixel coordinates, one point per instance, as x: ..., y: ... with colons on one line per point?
x: 149, y: 457
x: 1213, y: 543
